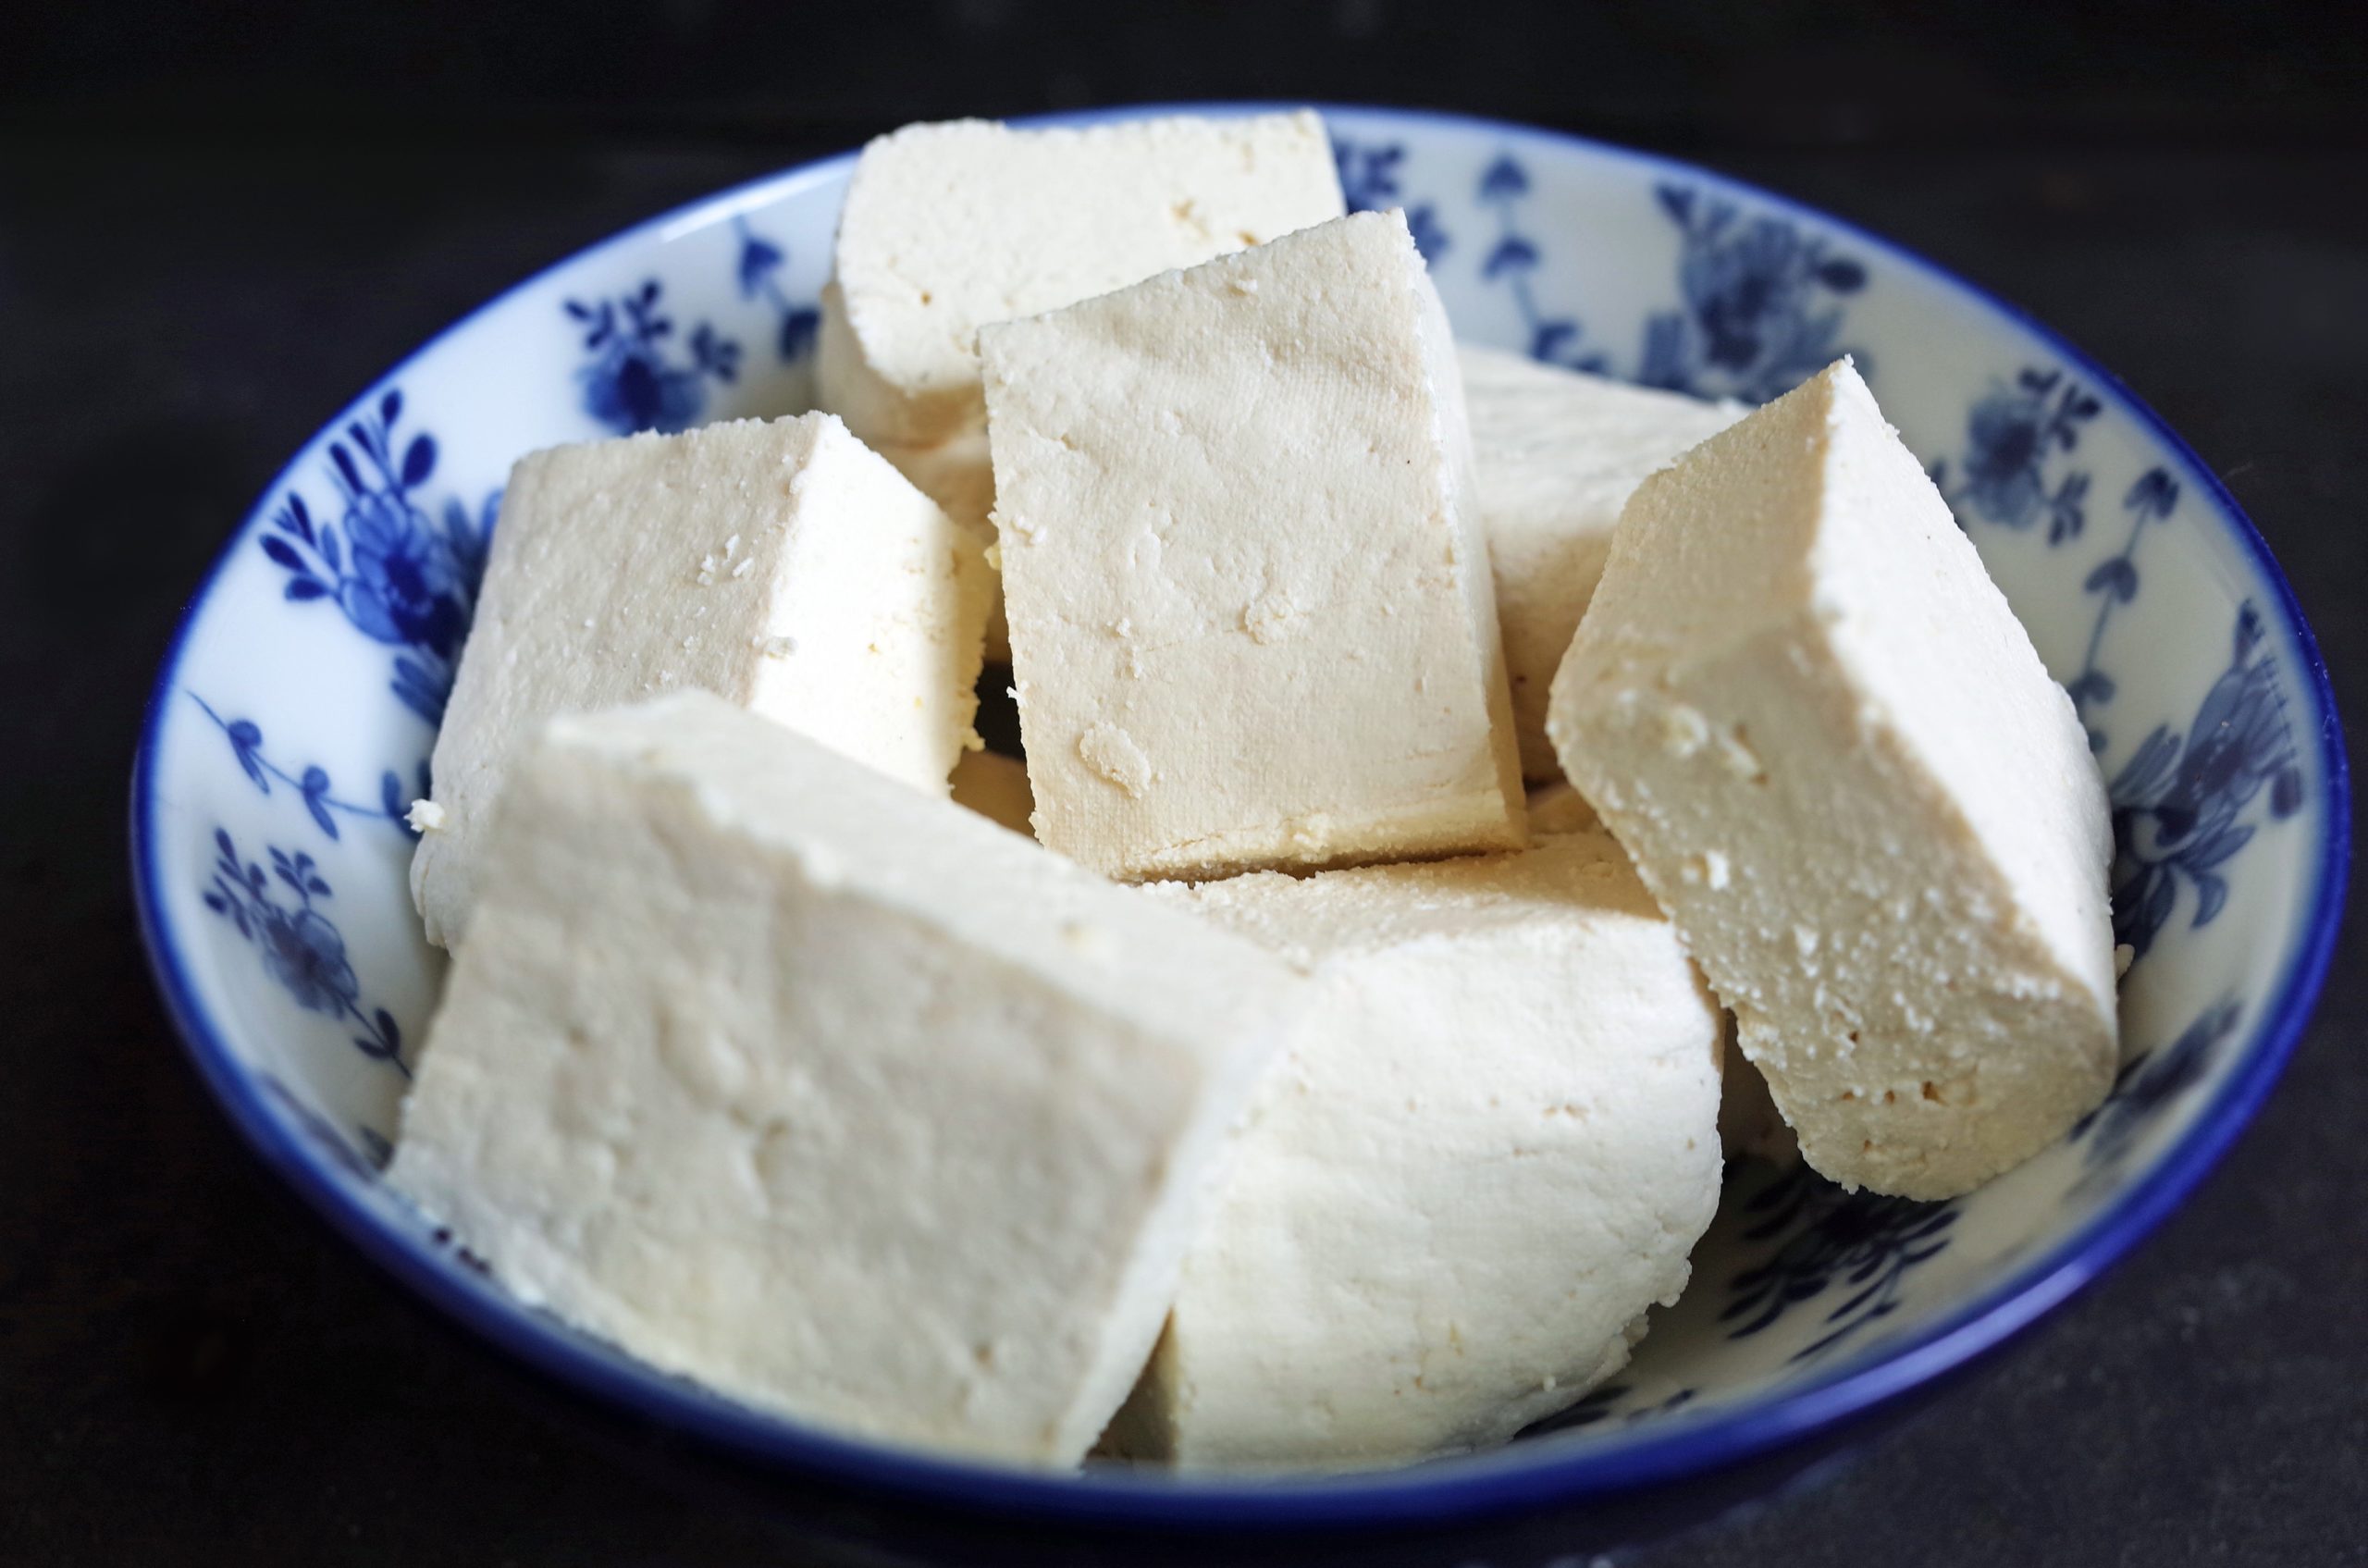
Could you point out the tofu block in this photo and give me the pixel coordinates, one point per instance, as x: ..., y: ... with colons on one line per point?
x: 1250, y: 619
x: 1806, y: 711
x: 949, y: 227
x: 1558, y: 453
x: 1487, y: 1150
x: 957, y: 474
x: 780, y: 565
x: 996, y: 786
x: 829, y: 1095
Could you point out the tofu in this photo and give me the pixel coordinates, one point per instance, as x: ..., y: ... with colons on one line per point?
x: 1252, y: 623
x: 1805, y: 710
x: 1486, y: 1153
x: 996, y: 786
x: 779, y: 564
x: 826, y: 1093
x: 955, y: 473
x: 949, y: 227
x: 1558, y: 453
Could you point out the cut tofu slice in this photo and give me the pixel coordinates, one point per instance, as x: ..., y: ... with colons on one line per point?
x: 1489, y: 1150
x: 1250, y: 617
x: 996, y: 786
x: 1557, y: 454
x: 949, y: 227
x: 1813, y: 722
x: 957, y: 474
x: 778, y: 564
x: 833, y: 1096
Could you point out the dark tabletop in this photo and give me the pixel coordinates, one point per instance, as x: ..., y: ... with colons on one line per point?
x: 216, y: 228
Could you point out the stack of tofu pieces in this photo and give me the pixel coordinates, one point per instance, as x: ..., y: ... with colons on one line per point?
x: 1260, y: 1075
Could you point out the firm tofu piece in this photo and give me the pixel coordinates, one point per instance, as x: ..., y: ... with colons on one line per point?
x: 831, y: 1095
x: 1558, y: 453
x: 1251, y: 617
x: 996, y: 786
x: 1489, y: 1150
x: 1803, y: 708
x: 949, y: 227
x: 780, y: 565
x: 957, y: 474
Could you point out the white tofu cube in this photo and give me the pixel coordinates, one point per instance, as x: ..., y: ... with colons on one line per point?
x: 777, y: 564
x: 1487, y: 1150
x: 1803, y: 707
x: 833, y: 1096
x: 1250, y: 617
x: 949, y: 227
x: 1557, y: 454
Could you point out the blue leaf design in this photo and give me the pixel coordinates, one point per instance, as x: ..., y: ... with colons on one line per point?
x: 1842, y: 277
x: 391, y: 795
x: 1503, y: 178
x: 316, y: 788
x: 345, y: 468
x: 283, y: 552
x: 2116, y: 576
x: 1551, y: 337
x: 391, y: 407
x: 798, y: 328
x: 759, y: 258
x: 1512, y: 254
x: 1677, y: 201
x: 303, y: 588
x: 419, y: 462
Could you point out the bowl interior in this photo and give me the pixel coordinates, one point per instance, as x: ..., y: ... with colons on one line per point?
x: 293, y: 720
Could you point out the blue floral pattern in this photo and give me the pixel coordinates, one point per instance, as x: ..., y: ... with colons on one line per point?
x: 2147, y: 1083
x: 1511, y: 261
x: 1604, y: 1402
x: 2181, y: 805
x: 1758, y: 316
x: 760, y: 261
x: 1369, y: 181
x: 2114, y: 582
x: 2010, y: 436
x: 398, y: 577
x: 1862, y: 1242
x: 302, y: 948
x: 312, y: 784
x: 633, y: 382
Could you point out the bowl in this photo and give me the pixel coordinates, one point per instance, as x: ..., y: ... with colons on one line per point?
x: 293, y: 719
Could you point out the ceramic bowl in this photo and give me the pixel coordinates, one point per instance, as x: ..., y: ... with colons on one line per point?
x: 292, y: 723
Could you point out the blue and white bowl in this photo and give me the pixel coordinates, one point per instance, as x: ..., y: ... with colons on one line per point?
x: 291, y: 725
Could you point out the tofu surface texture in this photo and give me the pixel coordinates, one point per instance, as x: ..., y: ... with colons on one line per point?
x: 1813, y: 721
x: 829, y: 1095
x: 1487, y: 1150
x: 948, y: 227
x: 1252, y: 623
x: 996, y: 786
x: 778, y: 564
x: 955, y: 473
x: 1558, y: 453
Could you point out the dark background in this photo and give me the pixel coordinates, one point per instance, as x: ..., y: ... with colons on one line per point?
x: 216, y: 227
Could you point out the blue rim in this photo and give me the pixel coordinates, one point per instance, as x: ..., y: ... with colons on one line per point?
x: 1447, y: 1491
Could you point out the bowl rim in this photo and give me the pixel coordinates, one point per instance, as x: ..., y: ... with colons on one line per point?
x: 1521, y: 1477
